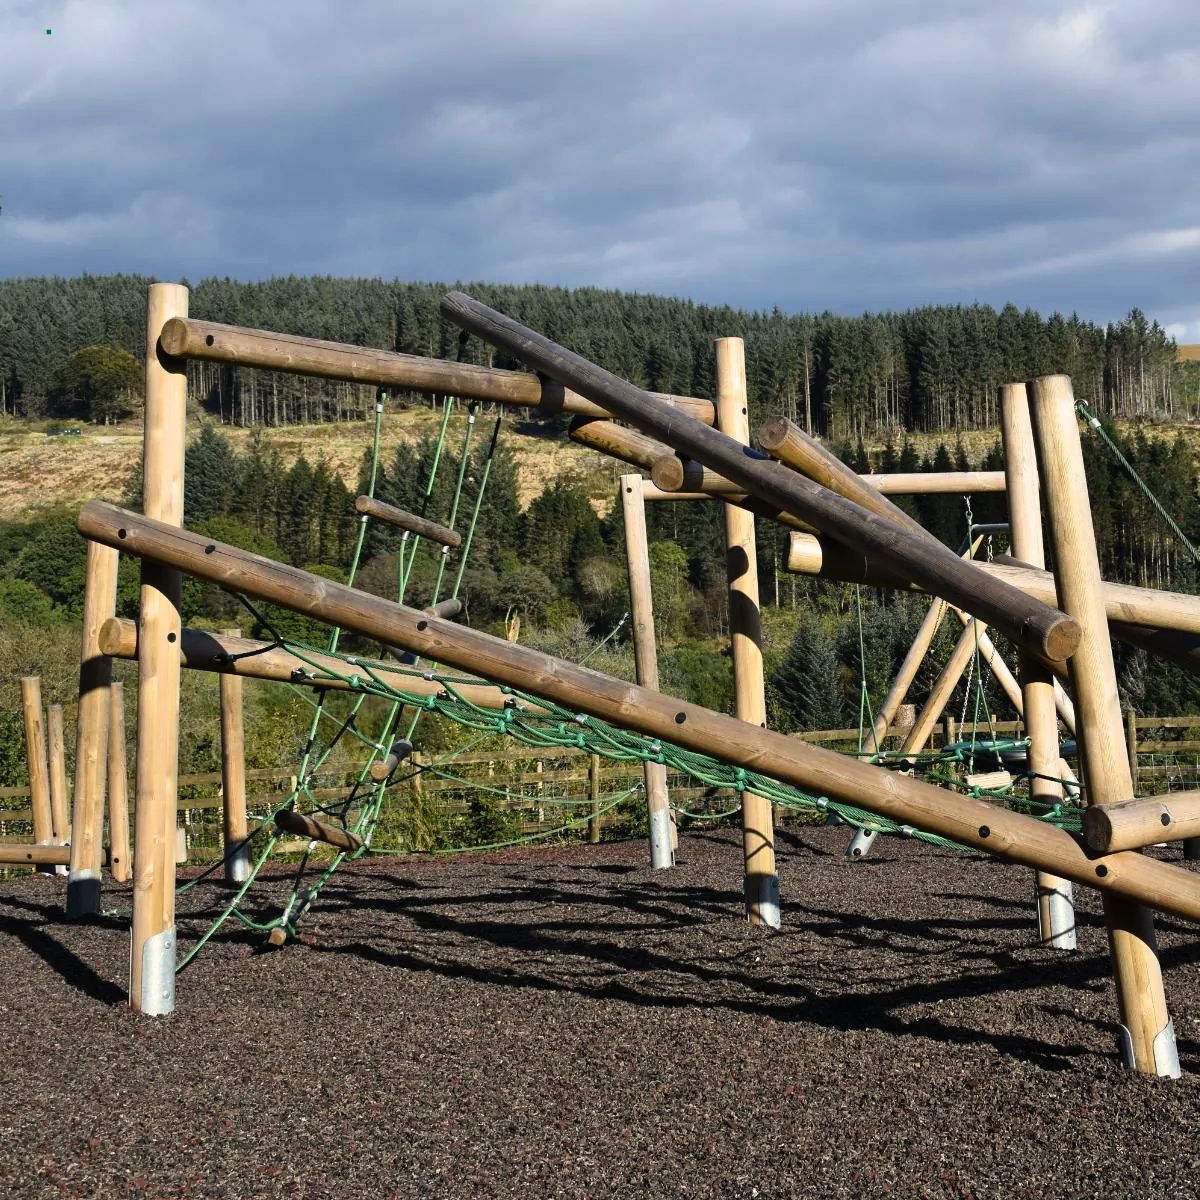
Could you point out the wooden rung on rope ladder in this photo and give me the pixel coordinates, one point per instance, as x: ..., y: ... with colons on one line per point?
x: 317, y: 831
x: 410, y: 522
x: 400, y: 750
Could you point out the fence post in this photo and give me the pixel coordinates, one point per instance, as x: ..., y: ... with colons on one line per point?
x: 1131, y: 746
x: 39, y: 769
x: 594, y: 792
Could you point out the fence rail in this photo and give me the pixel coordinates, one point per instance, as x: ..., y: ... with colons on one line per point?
x: 542, y: 791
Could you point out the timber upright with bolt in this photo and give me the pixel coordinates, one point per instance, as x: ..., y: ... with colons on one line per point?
x: 645, y: 660
x: 152, y: 950
x: 91, y: 738
x: 1055, y: 895
x: 1147, y: 1037
x: 745, y: 626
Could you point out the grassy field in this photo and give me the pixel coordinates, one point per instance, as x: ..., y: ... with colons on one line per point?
x: 39, y: 471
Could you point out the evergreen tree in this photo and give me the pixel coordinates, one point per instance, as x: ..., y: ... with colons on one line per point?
x: 806, y: 688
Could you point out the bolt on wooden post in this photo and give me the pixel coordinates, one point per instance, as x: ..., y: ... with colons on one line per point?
x: 1147, y: 1034
x: 645, y: 659
x: 761, y: 882
x: 91, y: 736
x: 152, y: 952
x: 1055, y: 896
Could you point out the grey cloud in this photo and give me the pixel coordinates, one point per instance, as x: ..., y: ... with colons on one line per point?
x: 809, y: 155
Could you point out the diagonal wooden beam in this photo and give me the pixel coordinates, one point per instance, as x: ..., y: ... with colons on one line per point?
x: 973, y: 822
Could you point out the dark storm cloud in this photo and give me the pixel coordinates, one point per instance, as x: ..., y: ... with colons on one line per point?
x: 810, y: 155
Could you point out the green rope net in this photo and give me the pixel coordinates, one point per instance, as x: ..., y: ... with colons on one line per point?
x: 522, y: 717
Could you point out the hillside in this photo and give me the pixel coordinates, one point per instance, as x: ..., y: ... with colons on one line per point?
x: 39, y: 470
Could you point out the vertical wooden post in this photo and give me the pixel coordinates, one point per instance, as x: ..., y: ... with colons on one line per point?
x: 1055, y: 896
x: 118, y: 790
x: 1131, y: 747
x: 1147, y: 1034
x: 233, y: 776
x: 594, y: 794
x: 949, y: 730
x: 645, y: 659
x: 60, y: 809
x: 91, y: 737
x: 745, y: 627
x: 39, y: 768
x: 152, y: 951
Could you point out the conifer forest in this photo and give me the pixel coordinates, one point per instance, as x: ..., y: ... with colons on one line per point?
x: 70, y: 350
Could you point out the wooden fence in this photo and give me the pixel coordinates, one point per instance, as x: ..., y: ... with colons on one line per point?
x: 518, y: 793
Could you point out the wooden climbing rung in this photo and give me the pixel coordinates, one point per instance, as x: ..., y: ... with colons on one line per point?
x: 317, y: 831
x: 410, y: 521
x: 400, y: 750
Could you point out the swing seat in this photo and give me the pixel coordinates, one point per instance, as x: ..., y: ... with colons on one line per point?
x: 994, y: 754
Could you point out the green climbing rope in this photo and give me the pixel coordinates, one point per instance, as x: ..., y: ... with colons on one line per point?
x: 1094, y: 422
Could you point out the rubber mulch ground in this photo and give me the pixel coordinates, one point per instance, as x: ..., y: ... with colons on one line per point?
x: 565, y: 1022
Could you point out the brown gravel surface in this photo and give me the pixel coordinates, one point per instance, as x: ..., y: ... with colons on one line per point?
x: 568, y: 1023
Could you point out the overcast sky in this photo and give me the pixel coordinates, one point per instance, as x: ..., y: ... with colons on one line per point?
x: 844, y: 154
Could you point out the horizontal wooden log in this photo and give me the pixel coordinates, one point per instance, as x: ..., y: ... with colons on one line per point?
x: 1164, y: 623
x: 674, y: 473
x: 1138, y: 823
x: 1008, y: 835
x: 253, y: 659
x: 210, y: 341
x: 1181, y: 648
x: 390, y: 515
x: 1029, y: 623
x: 638, y: 450
x: 650, y: 491
x: 35, y: 856
x: 302, y: 825
x: 935, y: 483
x: 617, y: 441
